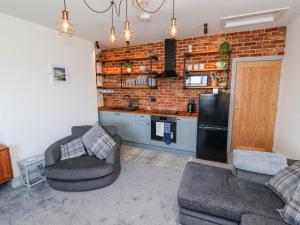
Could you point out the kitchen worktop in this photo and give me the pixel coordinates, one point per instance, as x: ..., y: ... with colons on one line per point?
x: 152, y: 112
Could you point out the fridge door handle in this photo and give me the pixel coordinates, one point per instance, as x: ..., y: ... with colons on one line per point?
x: 212, y: 128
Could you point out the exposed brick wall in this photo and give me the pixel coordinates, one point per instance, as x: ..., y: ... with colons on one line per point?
x: 170, y: 93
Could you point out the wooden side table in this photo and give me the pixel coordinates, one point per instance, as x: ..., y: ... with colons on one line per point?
x: 30, y: 170
x: 6, y: 172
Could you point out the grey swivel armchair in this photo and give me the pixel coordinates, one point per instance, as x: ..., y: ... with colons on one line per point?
x: 83, y: 173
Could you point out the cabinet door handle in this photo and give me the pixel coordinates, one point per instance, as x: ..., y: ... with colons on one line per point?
x: 178, y: 119
x: 148, y: 123
x: 142, y: 116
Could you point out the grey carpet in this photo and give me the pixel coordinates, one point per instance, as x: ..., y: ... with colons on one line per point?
x: 144, y: 194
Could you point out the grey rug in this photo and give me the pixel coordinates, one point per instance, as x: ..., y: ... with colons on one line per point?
x: 144, y: 194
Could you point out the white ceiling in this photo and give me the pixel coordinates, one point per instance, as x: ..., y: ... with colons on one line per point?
x: 190, y: 14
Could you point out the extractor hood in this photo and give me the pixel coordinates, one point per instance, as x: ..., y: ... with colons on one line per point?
x: 170, y: 60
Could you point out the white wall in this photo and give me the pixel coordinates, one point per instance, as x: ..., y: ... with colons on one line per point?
x: 287, y: 134
x: 34, y: 113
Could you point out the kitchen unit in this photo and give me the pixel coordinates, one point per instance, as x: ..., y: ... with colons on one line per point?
x: 135, y: 127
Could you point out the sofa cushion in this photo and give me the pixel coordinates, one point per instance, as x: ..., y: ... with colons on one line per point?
x: 80, y: 168
x: 284, y: 183
x: 72, y: 149
x: 215, y: 191
x: 249, y: 219
x: 291, y: 212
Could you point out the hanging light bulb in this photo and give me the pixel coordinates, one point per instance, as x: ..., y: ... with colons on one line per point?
x: 64, y: 25
x: 113, y: 35
x: 128, y: 36
x: 173, y: 30
x: 127, y: 33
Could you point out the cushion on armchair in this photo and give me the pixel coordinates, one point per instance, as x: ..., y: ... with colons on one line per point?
x: 72, y: 149
x: 97, y: 141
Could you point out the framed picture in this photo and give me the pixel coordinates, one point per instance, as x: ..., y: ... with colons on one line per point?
x: 59, y: 74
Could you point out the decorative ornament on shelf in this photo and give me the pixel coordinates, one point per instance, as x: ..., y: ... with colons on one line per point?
x: 64, y: 25
x: 214, y: 79
x: 224, y: 52
x: 128, y: 65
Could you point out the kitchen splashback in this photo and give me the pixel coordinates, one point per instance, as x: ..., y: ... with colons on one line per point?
x: 170, y: 94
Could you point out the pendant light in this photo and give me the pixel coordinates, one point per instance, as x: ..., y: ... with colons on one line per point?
x: 173, y: 30
x: 64, y: 25
x: 112, y: 37
x: 128, y: 36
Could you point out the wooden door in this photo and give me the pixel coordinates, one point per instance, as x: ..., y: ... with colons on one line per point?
x: 255, y: 104
x: 5, y: 165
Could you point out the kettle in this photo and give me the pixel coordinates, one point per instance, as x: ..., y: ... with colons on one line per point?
x: 191, y: 106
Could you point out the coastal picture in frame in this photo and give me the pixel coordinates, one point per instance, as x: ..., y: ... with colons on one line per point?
x: 59, y: 74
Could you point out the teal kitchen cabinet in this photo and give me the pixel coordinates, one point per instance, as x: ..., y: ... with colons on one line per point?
x: 186, y: 134
x: 126, y: 126
x: 142, y: 129
x: 109, y: 118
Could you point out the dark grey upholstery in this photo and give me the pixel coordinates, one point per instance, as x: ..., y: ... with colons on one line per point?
x: 195, y: 218
x: 249, y: 219
x: 79, y: 168
x: 256, y: 177
x: 218, y: 193
x: 85, y: 172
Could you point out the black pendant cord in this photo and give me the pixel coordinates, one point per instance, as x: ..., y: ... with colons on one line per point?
x: 147, y: 11
x: 112, y: 17
x: 96, y: 11
x: 173, y: 9
x: 65, y: 7
x: 126, y: 10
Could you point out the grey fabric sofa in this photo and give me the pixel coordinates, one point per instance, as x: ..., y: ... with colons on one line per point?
x: 214, y: 196
x: 85, y: 172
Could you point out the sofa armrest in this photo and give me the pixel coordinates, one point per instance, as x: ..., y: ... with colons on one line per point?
x: 113, y: 157
x: 53, y: 152
x: 111, y: 130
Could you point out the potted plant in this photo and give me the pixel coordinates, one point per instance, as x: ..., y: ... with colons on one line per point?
x: 214, y: 79
x: 224, y: 52
x: 128, y: 65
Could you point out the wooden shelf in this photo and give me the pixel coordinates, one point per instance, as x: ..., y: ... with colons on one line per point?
x: 206, y: 70
x: 127, y: 74
x: 201, y: 53
x: 127, y: 87
x: 126, y: 59
x: 202, y: 87
x: 108, y: 87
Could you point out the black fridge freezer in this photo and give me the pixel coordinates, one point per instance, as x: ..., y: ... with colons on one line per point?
x: 213, y: 127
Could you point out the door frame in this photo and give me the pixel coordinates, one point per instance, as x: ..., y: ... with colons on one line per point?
x: 235, y: 61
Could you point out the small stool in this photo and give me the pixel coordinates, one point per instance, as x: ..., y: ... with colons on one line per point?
x: 30, y: 170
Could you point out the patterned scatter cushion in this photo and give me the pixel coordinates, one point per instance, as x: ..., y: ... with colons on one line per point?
x: 291, y: 212
x: 284, y: 183
x: 97, y: 141
x: 72, y: 149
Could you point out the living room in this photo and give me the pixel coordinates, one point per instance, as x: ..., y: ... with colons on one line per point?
x: 108, y: 118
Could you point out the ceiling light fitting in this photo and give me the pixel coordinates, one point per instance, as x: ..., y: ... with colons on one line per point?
x: 67, y: 28
x: 64, y: 25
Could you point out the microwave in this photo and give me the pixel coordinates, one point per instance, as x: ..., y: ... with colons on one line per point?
x: 196, y: 80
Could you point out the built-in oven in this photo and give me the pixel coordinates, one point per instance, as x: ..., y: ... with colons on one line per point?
x: 157, y: 127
